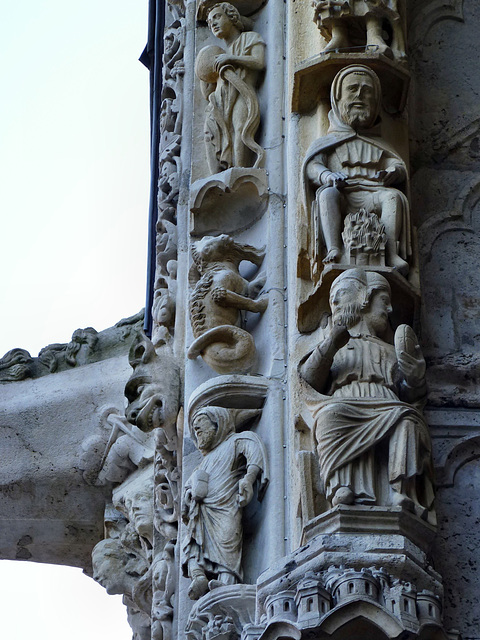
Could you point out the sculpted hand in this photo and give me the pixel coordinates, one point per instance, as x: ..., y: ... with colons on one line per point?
x: 187, y: 501
x: 339, y: 335
x: 336, y: 179
x: 413, y: 367
x: 222, y: 60
x: 390, y: 176
x: 261, y: 304
x: 245, y: 492
x: 219, y: 295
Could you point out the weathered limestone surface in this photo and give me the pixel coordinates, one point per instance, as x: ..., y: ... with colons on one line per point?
x: 48, y: 512
x: 315, y: 323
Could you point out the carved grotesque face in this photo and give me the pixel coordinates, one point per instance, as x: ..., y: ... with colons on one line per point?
x: 358, y: 100
x: 145, y: 402
x: 220, y: 24
x: 378, y: 311
x: 110, y: 563
x: 205, y: 432
x: 213, y: 247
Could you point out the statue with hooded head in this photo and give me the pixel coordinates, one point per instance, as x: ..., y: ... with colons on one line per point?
x: 352, y: 171
x: 215, y: 495
x: 372, y: 441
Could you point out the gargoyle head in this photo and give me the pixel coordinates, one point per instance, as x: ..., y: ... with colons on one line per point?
x: 153, y: 388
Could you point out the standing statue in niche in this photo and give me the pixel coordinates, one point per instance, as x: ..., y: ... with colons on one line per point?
x: 350, y: 23
x: 372, y: 441
x: 215, y: 495
x: 228, y: 80
x: 352, y: 170
x: 219, y: 296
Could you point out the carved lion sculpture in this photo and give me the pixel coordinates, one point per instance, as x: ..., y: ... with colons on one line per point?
x: 219, y: 296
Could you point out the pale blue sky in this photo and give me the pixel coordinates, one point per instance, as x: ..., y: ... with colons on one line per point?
x: 74, y: 182
x: 74, y: 167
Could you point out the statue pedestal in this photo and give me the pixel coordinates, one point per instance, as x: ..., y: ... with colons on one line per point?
x: 222, y: 613
x: 228, y: 202
x: 313, y: 78
x: 359, y: 565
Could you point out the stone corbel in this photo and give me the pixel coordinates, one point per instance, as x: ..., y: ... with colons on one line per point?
x: 222, y: 611
x: 235, y: 392
x: 232, y: 201
x: 245, y: 7
x: 313, y: 78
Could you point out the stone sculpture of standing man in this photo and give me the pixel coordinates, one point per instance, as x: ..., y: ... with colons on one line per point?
x: 352, y: 168
x: 214, y: 498
x: 229, y: 78
x: 372, y: 441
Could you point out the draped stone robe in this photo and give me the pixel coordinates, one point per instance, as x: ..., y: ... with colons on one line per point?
x: 214, y: 531
x: 362, y: 409
x: 226, y: 100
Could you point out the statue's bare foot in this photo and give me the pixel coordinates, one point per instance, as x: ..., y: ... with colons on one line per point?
x: 398, y: 263
x: 380, y: 47
x: 332, y: 256
x: 343, y: 495
x: 198, y: 588
x: 335, y: 43
x: 402, y: 500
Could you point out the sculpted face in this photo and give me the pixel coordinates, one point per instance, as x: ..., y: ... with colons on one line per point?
x: 378, y: 311
x: 220, y: 24
x: 139, y: 506
x: 358, y: 103
x: 345, y: 304
x: 108, y: 562
x: 145, y: 402
x: 205, y: 431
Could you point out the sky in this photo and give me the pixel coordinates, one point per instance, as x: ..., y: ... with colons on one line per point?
x: 74, y: 192
x: 74, y: 167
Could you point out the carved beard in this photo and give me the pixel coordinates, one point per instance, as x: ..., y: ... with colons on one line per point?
x: 349, y: 315
x: 356, y: 117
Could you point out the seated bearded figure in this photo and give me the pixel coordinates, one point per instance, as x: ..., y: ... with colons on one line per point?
x: 353, y: 169
x: 372, y: 441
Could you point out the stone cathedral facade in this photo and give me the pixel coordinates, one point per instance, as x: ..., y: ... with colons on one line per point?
x: 293, y: 451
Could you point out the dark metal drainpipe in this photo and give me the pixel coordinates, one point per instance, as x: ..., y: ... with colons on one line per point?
x: 152, y: 59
